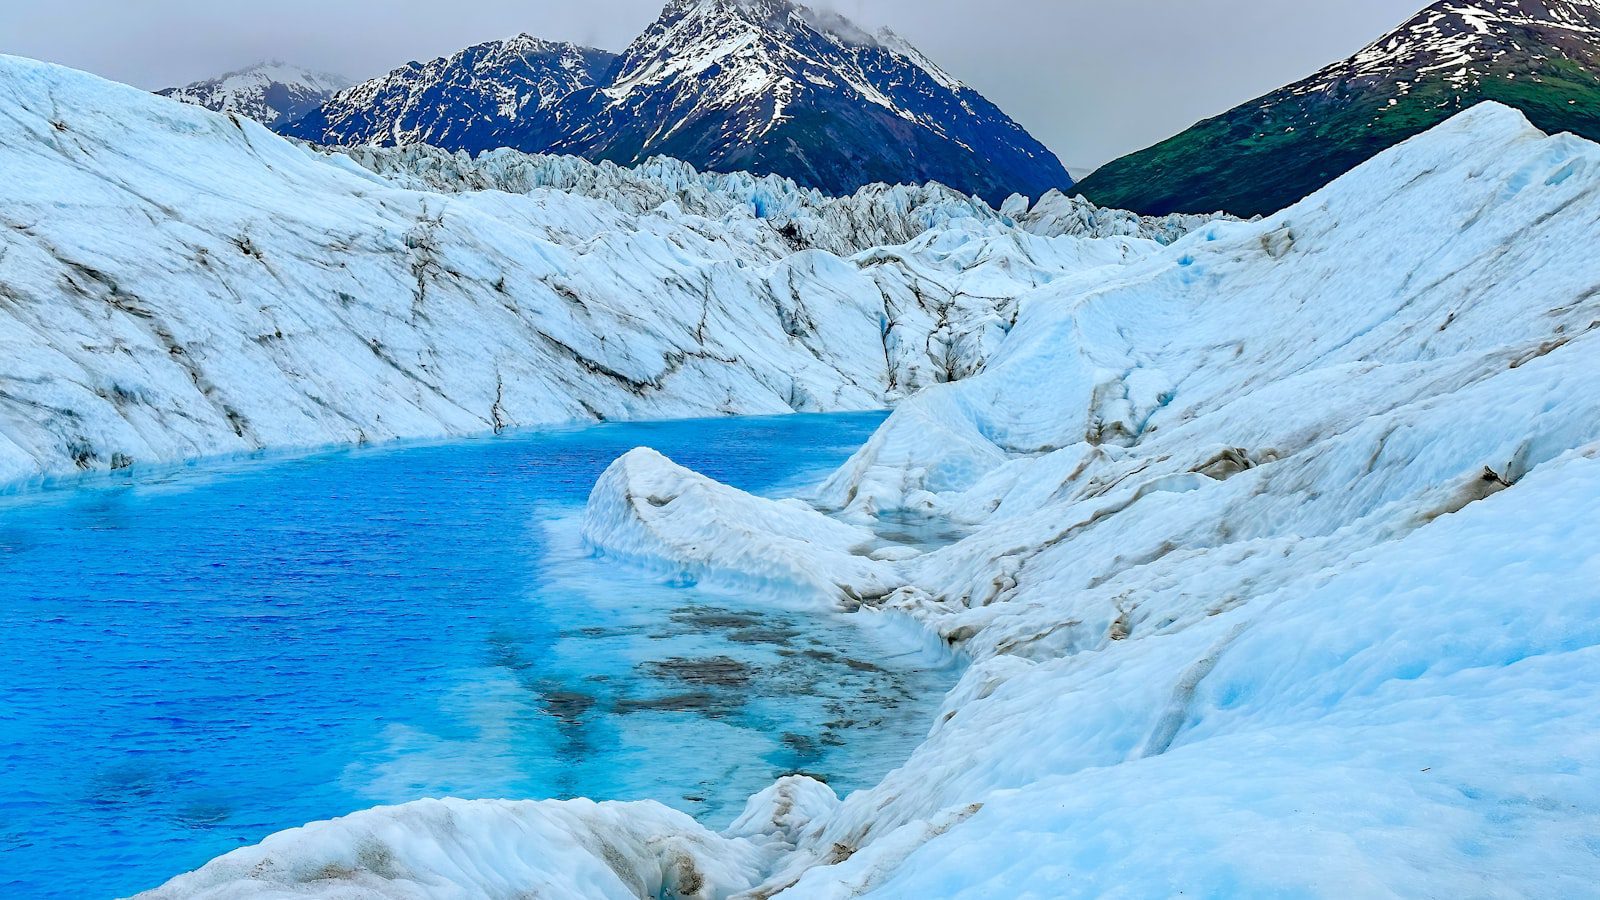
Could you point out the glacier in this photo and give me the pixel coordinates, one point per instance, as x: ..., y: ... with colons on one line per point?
x: 1273, y: 557
x: 176, y: 283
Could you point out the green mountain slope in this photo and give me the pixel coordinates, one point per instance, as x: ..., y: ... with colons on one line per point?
x: 1542, y: 56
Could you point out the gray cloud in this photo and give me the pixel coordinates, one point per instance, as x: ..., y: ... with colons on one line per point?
x: 1091, y: 78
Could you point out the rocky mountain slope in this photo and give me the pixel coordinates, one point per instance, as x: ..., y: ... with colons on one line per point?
x: 1541, y: 56
x: 766, y: 86
x: 770, y: 86
x: 1276, y: 580
x: 269, y: 92
x: 177, y: 283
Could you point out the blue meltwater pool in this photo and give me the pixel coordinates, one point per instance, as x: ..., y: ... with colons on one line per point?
x: 196, y: 657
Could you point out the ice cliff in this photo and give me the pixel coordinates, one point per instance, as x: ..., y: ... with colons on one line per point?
x: 178, y: 283
x: 1280, y: 579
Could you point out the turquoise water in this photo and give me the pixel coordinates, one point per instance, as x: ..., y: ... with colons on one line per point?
x: 196, y: 657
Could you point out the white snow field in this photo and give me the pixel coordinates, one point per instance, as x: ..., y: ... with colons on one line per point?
x: 1281, y: 579
x: 176, y: 283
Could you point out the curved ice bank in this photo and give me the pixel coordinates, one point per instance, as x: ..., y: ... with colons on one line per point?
x: 490, y: 848
x: 176, y: 283
x: 647, y: 510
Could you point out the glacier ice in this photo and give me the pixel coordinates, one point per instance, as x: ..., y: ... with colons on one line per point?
x: 1276, y: 564
x: 457, y: 849
x: 1281, y: 577
x: 176, y: 283
x: 875, y: 216
x: 647, y: 510
x: 1289, y: 588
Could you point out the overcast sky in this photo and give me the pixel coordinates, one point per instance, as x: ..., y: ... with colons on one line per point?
x: 1093, y: 79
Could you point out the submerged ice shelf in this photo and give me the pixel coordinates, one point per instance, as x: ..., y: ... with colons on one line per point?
x: 202, y: 656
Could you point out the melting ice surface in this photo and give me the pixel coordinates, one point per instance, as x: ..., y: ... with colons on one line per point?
x: 197, y: 657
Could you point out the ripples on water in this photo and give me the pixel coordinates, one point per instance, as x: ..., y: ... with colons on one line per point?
x: 198, y: 657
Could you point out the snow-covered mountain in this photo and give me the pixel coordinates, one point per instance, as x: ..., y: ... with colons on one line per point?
x: 269, y: 92
x: 766, y: 86
x: 177, y: 283
x: 1541, y: 56
x: 1279, y: 579
x: 463, y: 101
x: 1466, y: 41
x: 772, y: 86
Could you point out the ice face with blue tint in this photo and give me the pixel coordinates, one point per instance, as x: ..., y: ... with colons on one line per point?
x: 198, y: 657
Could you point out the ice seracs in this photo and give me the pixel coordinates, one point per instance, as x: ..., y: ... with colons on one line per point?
x: 877, y: 215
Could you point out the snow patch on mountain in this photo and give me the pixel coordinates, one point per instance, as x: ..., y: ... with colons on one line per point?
x: 460, y: 100
x: 762, y: 46
x: 269, y: 92
x: 1457, y: 39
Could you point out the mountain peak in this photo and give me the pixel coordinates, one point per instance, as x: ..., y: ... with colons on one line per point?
x: 776, y: 46
x: 779, y: 14
x: 278, y: 67
x: 458, y: 101
x: 768, y: 86
x: 270, y: 91
x: 529, y: 43
x: 780, y: 18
